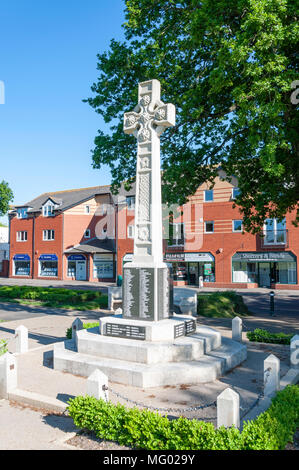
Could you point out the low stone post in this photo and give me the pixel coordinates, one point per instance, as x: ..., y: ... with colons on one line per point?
x: 237, y: 329
x: 97, y: 385
x: 21, y: 335
x: 76, y: 326
x: 8, y: 374
x: 271, y: 375
x: 228, y: 409
x: 294, y: 352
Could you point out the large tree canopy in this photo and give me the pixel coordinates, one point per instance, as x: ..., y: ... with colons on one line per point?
x: 6, y: 196
x: 229, y: 68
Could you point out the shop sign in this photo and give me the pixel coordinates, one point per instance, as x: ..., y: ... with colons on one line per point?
x: 269, y: 256
x: 77, y: 258
x: 174, y: 256
x: 189, y: 257
x: 48, y: 258
x: 207, y: 269
x: 21, y: 258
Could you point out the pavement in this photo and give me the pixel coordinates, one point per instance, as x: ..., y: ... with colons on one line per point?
x: 31, y: 428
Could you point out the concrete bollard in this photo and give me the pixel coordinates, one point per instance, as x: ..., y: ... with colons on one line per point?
x: 97, y: 385
x: 8, y: 374
x: 237, y: 329
x: 21, y: 335
x: 271, y: 375
x: 294, y: 352
x: 228, y: 409
x: 76, y: 326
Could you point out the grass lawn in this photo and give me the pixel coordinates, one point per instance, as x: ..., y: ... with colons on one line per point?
x: 221, y: 304
x: 69, y: 299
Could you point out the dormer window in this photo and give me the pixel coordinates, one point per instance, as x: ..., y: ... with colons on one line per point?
x: 48, y: 209
x: 22, y: 213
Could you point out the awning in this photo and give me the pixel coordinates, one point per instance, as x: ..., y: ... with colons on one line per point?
x: 21, y: 258
x: 48, y: 257
x: 95, y: 245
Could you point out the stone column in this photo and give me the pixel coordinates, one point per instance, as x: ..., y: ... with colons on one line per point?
x: 228, y: 409
x: 97, y: 385
x: 21, y: 335
x: 8, y: 374
x: 271, y: 375
x: 237, y: 329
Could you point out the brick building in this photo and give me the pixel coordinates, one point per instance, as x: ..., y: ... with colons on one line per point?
x: 87, y: 234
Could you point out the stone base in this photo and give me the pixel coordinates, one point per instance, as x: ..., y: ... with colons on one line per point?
x: 197, y: 358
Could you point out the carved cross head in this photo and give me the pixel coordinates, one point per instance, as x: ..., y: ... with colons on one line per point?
x: 150, y: 114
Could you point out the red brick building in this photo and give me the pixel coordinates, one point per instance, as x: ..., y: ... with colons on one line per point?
x: 87, y: 234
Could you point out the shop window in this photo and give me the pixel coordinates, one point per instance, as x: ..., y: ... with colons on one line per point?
x: 237, y: 225
x: 21, y: 268
x: 22, y: 236
x: 274, y: 232
x: 209, y: 195
x: 286, y: 272
x: 176, y: 234
x: 71, y: 269
x: 103, y: 269
x: 49, y: 268
x: 48, y: 235
x: 209, y: 227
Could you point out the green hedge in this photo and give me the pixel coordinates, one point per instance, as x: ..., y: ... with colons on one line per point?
x: 143, y: 429
x: 264, y: 336
x: 65, y: 298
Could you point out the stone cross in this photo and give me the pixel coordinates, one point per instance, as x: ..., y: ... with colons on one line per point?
x: 147, y: 122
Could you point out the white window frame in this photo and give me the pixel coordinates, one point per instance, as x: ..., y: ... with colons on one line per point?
x: 275, y: 233
x: 21, y: 237
x: 46, y: 233
x: 131, y: 206
x: 22, y: 215
x: 131, y: 230
x: 85, y: 233
x: 233, y: 196
x: 233, y: 227
x: 209, y: 222
x: 178, y: 237
x: 205, y: 200
x: 46, y: 212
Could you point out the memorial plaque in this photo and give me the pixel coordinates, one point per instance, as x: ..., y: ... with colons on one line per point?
x: 125, y: 331
x: 163, y: 293
x: 146, y: 293
x: 190, y: 326
x: 131, y: 293
x: 179, y: 330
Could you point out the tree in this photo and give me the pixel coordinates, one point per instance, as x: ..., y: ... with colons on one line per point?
x: 230, y: 69
x: 6, y: 196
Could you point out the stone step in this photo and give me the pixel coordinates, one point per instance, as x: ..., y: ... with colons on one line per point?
x: 211, y: 337
x: 207, y: 369
x: 187, y: 348
x: 232, y: 352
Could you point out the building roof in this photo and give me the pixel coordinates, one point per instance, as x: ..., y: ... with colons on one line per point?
x: 95, y: 245
x: 65, y: 199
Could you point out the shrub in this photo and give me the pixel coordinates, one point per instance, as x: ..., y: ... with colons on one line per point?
x: 145, y: 429
x: 221, y: 304
x: 264, y: 336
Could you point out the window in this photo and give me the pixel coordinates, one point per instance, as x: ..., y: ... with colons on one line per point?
x: 48, y: 209
x: 209, y: 195
x: 130, y: 200
x: 48, y: 235
x: 130, y: 231
x: 87, y: 233
x: 22, y: 236
x: 87, y: 209
x: 209, y: 227
x: 235, y: 193
x: 21, y: 268
x: 274, y: 232
x: 22, y: 213
x: 176, y: 234
x: 48, y: 268
x: 237, y: 225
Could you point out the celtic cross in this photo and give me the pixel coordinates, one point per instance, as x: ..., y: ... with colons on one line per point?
x: 147, y: 122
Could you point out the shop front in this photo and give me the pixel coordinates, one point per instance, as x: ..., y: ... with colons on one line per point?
x: 76, y: 267
x: 48, y: 265
x: 191, y: 268
x: 21, y: 265
x: 103, y: 266
x: 264, y: 269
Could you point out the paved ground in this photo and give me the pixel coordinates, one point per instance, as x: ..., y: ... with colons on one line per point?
x: 28, y: 429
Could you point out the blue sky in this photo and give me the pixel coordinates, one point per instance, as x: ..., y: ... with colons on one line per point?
x: 48, y: 63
